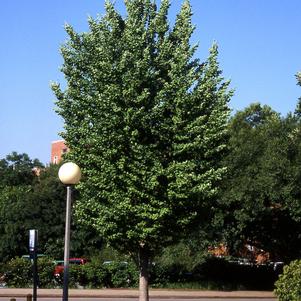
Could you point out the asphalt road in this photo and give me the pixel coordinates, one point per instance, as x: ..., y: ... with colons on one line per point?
x: 151, y: 299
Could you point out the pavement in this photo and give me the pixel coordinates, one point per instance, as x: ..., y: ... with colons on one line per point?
x: 133, y: 293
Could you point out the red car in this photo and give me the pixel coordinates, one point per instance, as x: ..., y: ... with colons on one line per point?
x: 59, y: 264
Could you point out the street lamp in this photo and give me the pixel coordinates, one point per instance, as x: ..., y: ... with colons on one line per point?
x: 69, y: 174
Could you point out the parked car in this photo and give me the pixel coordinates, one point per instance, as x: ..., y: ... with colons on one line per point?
x: 59, y: 264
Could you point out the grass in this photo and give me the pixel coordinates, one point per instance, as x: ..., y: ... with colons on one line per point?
x: 202, y: 285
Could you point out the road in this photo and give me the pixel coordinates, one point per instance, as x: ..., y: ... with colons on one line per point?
x: 151, y: 299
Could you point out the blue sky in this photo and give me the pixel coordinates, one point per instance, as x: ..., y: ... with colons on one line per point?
x: 259, y: 43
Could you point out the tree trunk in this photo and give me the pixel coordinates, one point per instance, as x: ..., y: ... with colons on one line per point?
x: 143, y: 274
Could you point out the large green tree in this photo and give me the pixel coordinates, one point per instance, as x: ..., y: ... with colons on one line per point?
x: 261, y: 194
x: 147, y: 124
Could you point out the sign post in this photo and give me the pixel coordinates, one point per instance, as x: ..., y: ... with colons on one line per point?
x: 33, y: 245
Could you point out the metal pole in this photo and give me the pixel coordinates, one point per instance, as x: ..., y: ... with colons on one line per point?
x: 35, y: 275
x: 67, y: 244
x: 33, y: 249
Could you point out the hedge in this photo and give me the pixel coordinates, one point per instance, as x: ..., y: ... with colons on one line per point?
x: 288, y: 286
x: 214, y: 273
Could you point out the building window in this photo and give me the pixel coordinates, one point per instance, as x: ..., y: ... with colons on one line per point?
x: 55, y: 160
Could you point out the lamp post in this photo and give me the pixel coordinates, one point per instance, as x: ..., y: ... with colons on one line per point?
x: 69, y: 174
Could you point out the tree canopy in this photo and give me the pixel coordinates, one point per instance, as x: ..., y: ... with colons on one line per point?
x: 260, y: 196
x: 17, y: 169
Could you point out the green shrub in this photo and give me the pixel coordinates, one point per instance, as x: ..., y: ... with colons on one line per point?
x: 122, y: 274
x: 288, y: 286
x: 18, y: 273
x: 95, y: 275
x: 75, y: 275
x: 45, y: 272
x: 159, y: 276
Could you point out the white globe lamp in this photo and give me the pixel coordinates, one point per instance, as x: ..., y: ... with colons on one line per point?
x: 69, y: 173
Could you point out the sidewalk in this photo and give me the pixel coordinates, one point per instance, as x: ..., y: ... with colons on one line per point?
x: 133, y: 293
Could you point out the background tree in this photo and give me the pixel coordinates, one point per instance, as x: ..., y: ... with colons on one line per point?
x: 48, y: 197
x: 260, y: 195
x: 28, y: 201
x: 17, y: 169
x: 147, y: 124
x: 37, y: 201
x: 16, y: 178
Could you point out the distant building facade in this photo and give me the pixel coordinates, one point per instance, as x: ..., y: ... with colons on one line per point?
x: 58, y: 149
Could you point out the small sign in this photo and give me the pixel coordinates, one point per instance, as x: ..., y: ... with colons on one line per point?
x: 33, y: 238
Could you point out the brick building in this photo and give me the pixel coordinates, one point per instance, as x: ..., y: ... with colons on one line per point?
x: 58, y: 149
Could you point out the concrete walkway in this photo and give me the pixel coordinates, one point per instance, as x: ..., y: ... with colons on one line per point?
x: 133, y: 293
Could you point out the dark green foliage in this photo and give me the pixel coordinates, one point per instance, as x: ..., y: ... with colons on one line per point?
x: 232, y: 275
x: 146, y: 122
x: 45, y: 272
x: 17, y: 169
x: 97, y: 274
x: 12, y: 231
x: 75, y: 276
x: 182, y: 254
x: 18, y: 273
x: 159, y: 276
x: 39, y: 205
x: 94, y: 275
x: 176, y: 263
x: 212, y: 273
x: 122, y: 274
x: 288, y: 286
x: 260, y: 197
x: 31, y: 201
x: 47, y: 213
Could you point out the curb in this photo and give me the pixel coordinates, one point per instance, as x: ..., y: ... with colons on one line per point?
x: 122, y: 294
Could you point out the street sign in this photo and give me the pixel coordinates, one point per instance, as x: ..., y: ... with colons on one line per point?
x: 33, y: 241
